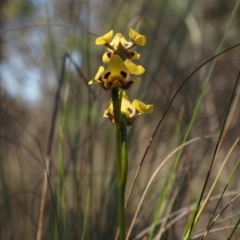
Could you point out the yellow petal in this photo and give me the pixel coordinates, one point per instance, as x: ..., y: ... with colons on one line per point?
x: 137, y: 38
x: 125, y: 96
x: 125, y: 105
x: 136, y: 55
x: 134, y: 69
x: 116, y: 67
x: 105, y: 57
x: 116, y: 40
x: 119, y: 38
x: 124, y: 42
x: 98, y: 74
x: 92, y: 82
x: 142, y: 107
x: 107, y: 38
x: 109, y: 109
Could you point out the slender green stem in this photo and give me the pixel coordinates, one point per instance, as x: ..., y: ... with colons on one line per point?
x: 124, y: 163
x: 121, y: 193
x: 117, y: 114
x: 123, y: 178
x: 122, y: 158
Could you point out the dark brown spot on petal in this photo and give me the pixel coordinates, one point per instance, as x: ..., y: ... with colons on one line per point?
x: 131, y: 54
x: 124, y: 74
x: 130, y: 110
x: 106, y: 75
x: 109, y: 54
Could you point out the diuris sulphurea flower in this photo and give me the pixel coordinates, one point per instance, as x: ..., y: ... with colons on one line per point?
x: 128, y: 109
x: 119, y: 45
x: 117, y: 74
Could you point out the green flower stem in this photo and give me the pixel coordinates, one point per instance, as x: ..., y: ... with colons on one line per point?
x: 123, y: 178
x: 122, y: 157
x: 124, y: 163
x: 117, y: 115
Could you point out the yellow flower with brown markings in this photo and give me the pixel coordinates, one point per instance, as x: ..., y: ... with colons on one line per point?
x: 119, y: 45
x: 128, y: 109
x: 117, y: 74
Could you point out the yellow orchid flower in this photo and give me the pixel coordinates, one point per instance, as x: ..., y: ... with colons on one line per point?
x: 117, y: 74
x: 119, y: 45
x: 128, y: 109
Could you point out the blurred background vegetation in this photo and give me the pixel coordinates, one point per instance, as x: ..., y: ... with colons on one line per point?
x: 35, y: 36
